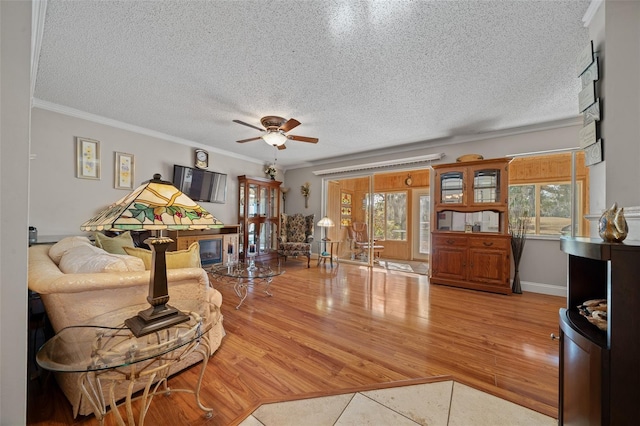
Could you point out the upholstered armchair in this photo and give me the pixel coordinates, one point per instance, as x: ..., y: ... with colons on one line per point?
x: 296, y: 236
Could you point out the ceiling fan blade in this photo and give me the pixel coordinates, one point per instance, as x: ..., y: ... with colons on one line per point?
x: 290, y: 124
x: 248, y: 125
x: 249, y: 140
x: 302, y: 139
x: 281, y: 147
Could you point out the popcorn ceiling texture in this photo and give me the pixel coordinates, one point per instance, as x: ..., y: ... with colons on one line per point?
x: 359, y: 75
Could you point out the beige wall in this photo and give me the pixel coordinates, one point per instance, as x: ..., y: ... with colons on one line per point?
x: 60, y: 202
x: 15, y: 38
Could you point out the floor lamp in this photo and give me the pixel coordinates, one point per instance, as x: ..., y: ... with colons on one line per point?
x: 325, y: 223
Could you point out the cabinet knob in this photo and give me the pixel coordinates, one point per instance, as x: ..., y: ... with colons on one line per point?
x: 554, y: 337
x: 450, y: 241
x: 487, y: 243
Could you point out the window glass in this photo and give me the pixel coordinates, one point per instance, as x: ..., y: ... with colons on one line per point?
x: 396, y: 212
x: 555, y: 208
x: 390, y: 216
x: 540, y: 188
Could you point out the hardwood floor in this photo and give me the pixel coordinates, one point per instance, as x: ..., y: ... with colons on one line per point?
x: 328, y: 331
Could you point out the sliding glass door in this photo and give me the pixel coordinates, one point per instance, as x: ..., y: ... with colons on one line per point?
x: 421, y: 229
x: 348, y: 207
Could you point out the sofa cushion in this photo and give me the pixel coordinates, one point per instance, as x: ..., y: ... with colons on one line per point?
x: 61, y: 247
x: 115, y: 244
x: 189, y: 258
x: 90, y: 259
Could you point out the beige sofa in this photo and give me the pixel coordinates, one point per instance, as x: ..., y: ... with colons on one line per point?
x: 73, y: 298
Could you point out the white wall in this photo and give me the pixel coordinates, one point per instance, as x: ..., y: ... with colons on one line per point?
x: 549, y: 279
x: 60, y: 202
x: 15, y: 37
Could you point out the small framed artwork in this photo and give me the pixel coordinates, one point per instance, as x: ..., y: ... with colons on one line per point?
x: 87, y: 158
x: 124, y: 171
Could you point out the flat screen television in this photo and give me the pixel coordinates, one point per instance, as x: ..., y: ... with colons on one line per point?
x: 201, y: 185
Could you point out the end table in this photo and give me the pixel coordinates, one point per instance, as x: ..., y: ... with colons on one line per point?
x: 105, y: 351
x: 328, y: 249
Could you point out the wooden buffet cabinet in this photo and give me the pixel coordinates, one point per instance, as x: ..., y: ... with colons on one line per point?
x: 599, y: 373
x: 470, y: 241
x: 258, y: 216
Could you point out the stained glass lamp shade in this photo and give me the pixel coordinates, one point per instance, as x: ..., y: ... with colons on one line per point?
x: 155, y: 205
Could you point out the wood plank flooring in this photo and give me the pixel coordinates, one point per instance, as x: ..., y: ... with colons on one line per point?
x: 328, y: 331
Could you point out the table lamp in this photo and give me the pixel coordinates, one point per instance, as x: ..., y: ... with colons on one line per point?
x: 324, y: 223
x: 155, y: 205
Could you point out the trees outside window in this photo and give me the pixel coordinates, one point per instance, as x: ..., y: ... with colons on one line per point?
x: 548, y: 205
x: 541, y: 186
x: 390, y: 216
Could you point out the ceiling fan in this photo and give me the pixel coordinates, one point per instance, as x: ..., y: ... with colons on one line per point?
x: 276, y: 129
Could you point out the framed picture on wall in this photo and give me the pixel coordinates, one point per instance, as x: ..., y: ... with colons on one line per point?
x: 124, y: 171
x: 87, y: 158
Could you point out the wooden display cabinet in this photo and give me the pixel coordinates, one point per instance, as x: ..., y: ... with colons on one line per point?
x: 258, y: 216
x: 599, y: 372
x: 470, y: 240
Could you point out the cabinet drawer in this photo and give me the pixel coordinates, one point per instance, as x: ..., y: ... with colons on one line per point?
x: 449, y: 240
x: 489, y: 242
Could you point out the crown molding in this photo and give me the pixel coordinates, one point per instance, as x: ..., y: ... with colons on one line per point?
x: 72, y: 112
x: 591, y: 11
x: 381, y: 164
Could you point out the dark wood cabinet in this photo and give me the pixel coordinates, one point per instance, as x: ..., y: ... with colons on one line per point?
x: 472, y: 261
x: 599, y: 372
x: 258, y: 216
x: 470, y: 241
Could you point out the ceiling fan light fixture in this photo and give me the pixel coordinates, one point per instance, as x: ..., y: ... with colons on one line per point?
x: 274, y: 138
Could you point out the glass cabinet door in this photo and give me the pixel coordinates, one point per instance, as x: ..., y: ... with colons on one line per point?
x: 273, y: 236
x: 452, y: 188
x: 253, y: 200
x: 241, y: 195
x: 262, y: 203
x: 252, y: 234
x: 486, y: 186
x: 265, y: 234
x: 241, y: 238
x: 273, y: 202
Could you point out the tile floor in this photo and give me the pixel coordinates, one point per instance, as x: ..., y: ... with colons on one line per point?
x: 434, y: 404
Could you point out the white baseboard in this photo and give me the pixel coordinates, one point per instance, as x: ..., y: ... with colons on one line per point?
x: 552, y: 290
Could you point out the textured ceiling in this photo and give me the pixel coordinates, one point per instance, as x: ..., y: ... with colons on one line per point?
x: 359, y: 75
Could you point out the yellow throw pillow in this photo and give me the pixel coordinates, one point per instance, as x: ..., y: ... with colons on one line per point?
x: 114, y: 245
x: 189, y: 258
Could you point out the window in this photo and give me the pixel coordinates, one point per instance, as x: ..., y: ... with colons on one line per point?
x: 548, y: 206
x: 540, y: 187
x: 390, y: 216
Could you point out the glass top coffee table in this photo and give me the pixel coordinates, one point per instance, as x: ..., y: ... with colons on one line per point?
x: 105, y: 351
x: 242, y: 275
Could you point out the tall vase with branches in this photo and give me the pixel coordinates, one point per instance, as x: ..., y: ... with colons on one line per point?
x: 519, y: 220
